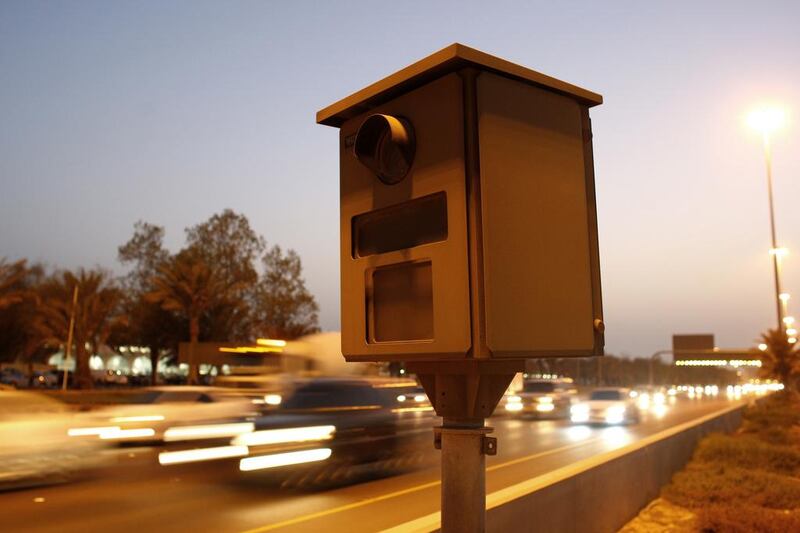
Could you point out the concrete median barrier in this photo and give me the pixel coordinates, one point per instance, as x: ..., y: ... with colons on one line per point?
x: 599, y: 494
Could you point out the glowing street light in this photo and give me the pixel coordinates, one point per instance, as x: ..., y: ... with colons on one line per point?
x: 791, y: 332
x: 762, y: 347
x: 767, y: 120
x: 788, y: 320
x: 792, y: 340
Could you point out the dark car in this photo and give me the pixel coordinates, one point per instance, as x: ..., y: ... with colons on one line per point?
x: 13, y: 377
x: 329, y: 428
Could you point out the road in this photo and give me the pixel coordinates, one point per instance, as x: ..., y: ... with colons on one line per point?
x: 137, y: 495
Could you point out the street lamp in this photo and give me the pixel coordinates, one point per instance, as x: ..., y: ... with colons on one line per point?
x: 766, y: 120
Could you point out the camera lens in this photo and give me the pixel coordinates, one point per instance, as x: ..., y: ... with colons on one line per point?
x: 386, y: 145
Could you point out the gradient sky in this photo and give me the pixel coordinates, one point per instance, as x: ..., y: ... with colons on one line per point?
x: 111, y: 112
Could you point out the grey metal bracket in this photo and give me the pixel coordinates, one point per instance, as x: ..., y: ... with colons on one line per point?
x: 489, y: 445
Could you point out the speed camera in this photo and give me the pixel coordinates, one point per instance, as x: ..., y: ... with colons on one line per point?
x: 468, y: 222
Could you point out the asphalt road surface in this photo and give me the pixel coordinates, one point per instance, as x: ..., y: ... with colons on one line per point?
x: 138, y: 495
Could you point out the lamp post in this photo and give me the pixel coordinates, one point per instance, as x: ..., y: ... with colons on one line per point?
x: 784, y: 298
x: 652, y: 360
x: 765, y: 121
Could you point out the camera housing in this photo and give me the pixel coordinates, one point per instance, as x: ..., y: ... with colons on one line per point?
x: 468, y: 219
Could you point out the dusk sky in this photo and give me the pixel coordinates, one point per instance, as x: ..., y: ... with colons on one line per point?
x: 168, y: 112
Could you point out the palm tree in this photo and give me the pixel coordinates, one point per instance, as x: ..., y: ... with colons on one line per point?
x: 781, y: 360
x: 97, y: 311
x: 187, y: 286
x: 11, y: 275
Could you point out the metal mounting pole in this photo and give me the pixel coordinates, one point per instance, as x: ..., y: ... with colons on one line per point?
x: 465, y: 393
x: 464, y: 445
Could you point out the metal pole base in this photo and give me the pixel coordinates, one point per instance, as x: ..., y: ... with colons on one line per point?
x: 464, y: 445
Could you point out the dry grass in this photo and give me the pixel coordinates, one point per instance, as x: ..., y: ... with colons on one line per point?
x: 749, y: 452
x: 749, y: 481
x: 746, y: 519
x: 702, y: 484
x: 776, y: 420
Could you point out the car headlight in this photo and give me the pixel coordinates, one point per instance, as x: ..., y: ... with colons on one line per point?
x: 513, y: 399
x: 544, y: 399
x: 579, y: 409
x: 579, y: 413
x: 273, y: 399
x: 615, y: 414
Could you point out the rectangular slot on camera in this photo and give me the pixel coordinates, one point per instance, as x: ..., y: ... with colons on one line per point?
x: 402, y: 302
x: 419, y: 221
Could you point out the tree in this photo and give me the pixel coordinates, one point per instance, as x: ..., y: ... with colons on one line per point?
x: 227, y: 243
x: 212, y: 287
x: 145, y: 252
x: 187, y: 286
x: 284, y: 307
x: 150, y: 324
x: 781, y: 360
x: 19, y: 340
x: 97, y: 311
x: 10, y: 277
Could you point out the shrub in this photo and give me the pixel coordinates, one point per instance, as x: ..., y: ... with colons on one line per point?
x: 780, y: 410
x: 748, y: 482
x: 749, y: 452
x: 745, y: 519
x: 703, y: 484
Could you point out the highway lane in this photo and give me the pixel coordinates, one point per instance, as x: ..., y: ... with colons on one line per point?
x: 137, y: 494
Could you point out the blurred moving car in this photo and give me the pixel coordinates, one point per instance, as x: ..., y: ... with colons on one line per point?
x: 326, y: 427
x: 13, y: 377
x: 109, y: 377
x: 542, y: 398
x: 19, y: 379
x: 34, y: 445
x: 606, y: 406
x: 267, y: 391
x: 171, y: 414
x: 647, y: 397
x: 46, y: 380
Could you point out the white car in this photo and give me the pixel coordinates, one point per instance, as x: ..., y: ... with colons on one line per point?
x: 34, y: 444
x: 171, y: 414
x: 542, y: 398
x: 606, y: 406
